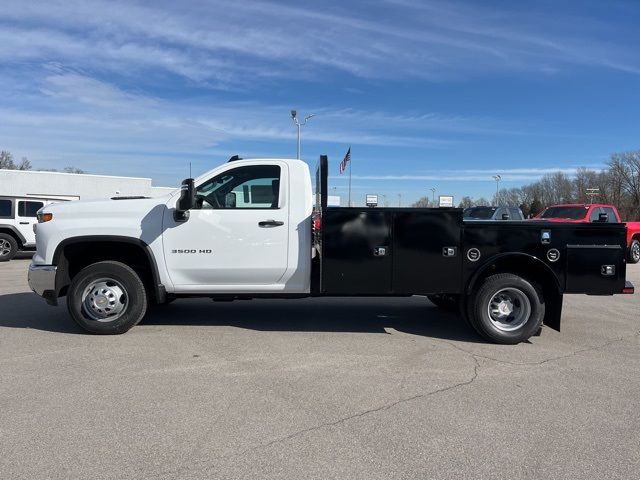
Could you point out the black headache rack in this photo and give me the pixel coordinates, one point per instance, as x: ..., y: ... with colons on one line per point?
x: 405, y: 251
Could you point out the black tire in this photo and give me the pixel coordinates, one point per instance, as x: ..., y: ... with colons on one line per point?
x: 449, y: 303
x: 111, y: 283
x: 8, y: 247
x: 504, y: 293
x: 634, y: 251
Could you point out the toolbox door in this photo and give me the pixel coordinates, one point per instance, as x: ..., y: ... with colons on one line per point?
x: 427, y: 256
x: 595, y: 269
x: 356, y: 251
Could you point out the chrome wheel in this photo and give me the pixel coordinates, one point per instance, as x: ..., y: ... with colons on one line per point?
x: 5, y: 247
x: 104, y: 300
x: 635, y: 252
x: 509, y: 309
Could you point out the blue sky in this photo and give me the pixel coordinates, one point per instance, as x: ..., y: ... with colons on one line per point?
x: 428, y: 93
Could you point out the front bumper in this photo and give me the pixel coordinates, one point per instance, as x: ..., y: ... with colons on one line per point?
x: 42, y: 280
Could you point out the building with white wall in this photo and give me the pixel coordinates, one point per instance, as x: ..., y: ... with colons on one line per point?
x: 75, y: 186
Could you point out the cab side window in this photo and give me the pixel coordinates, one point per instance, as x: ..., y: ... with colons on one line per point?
x: 29, y: 209
x: 249, y: 187
x: 500, y: 213
x: 611, y: 216
x: 515, y: 214
x: 6, y: 208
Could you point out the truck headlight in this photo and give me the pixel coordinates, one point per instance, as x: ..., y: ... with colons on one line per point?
x: 45, y: 217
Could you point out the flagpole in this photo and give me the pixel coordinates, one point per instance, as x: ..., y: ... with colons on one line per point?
x: 350, y: 161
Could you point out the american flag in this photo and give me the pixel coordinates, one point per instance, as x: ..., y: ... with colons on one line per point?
x: 347, y: 159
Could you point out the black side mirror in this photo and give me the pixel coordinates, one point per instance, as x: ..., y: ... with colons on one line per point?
x: 186, y: 201
x: 603, y: 217
x: 505, y: 216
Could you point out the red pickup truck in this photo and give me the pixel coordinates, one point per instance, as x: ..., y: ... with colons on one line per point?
x: 595, y: 212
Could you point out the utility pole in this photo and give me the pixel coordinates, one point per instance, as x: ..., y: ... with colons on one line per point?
x: 497, y: 178
x: 294, y: 117
x: 592, y: 192
x: 399, y: 199
x: 433, y: 194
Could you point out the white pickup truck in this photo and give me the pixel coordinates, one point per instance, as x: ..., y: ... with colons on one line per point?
x: 244, y: 230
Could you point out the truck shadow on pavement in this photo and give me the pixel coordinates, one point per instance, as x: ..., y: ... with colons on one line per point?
x: 414, y: 316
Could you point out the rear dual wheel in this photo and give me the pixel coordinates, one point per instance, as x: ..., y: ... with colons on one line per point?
x: 506, y: 309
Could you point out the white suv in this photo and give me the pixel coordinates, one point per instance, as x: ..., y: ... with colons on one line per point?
x: 17, y: 217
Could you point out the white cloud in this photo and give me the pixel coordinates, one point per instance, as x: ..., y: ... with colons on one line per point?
x: 472, y: 175
x: 76, y: 73
x: 230, y: 44
x: 69, y: 105
x: 83, y: 89
x: 76, y: 116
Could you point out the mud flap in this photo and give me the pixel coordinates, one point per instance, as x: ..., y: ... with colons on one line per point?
x: 553, y: 312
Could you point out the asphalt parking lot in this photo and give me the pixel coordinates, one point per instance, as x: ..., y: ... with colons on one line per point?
x: 316, y: 388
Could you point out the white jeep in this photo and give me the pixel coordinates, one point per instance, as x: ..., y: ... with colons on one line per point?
x: 17, y: 217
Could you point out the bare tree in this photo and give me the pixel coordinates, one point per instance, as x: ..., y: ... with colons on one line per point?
x: 24, y: 164
x: 535, y: 208
x: 625, y: 168
x: 512, y: 197
x: 422, y: 202
x: 6, y: 160
x: 466, y: 202
x: 583, y: 180
x: 73, y: 170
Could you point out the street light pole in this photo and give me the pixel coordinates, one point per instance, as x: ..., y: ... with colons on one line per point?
x: 433, y: 195
x: 497, y: 178
x: 294, y: 117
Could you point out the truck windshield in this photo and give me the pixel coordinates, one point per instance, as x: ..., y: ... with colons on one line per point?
x: 479, y: 213
x: 571, y: 213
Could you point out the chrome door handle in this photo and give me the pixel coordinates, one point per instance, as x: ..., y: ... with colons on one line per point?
x: 270, y: 223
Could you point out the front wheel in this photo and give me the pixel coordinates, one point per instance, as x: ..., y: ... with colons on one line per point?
x: 634, y: 251
x: 507, y: 309
x: 107, y: 298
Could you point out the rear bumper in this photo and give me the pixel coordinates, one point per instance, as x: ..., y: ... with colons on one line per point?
x: 628, y: 287
x: 42, y: 280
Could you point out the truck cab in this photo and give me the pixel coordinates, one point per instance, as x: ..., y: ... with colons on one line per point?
x: 248, y: 231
